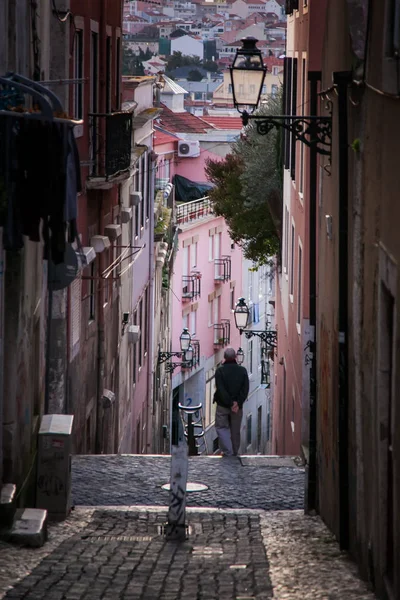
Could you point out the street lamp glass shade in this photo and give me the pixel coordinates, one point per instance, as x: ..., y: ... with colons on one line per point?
x: 241, y: 314
x: 185, y: 339
x: 189, y: 354
x: 247, y: 75
x: 240, y: 356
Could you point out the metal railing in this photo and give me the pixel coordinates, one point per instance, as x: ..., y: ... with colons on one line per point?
x: 222, y: 333
x: 110, y: 144
x: 191, y: 286
x: 192, y: 211
x: 193, y: 428
x: 222, y: 268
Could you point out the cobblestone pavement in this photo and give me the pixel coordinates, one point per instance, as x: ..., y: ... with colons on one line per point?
x: 126, y: 480
x: 115, y: 552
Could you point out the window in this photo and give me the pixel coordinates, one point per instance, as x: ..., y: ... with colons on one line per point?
x: 275, y: 71
x: 211, y: 248
x: 292, y: 263
x: 274, y: 90
x: 259, y: 428
x: 264, y: 89
x: 137, y: 207
x: 143, y: 189
x: 193, y: 255
x: 249, y: 433
x: 210, y: 314
x: 108, y: 74
x: 233, y: 298
x: 287, y: 103
x: 293, y: 112
x: 185, y: 261
x: 94, y: 72
x: 92, y: 292
x: 134, y: 353
x: 78, y: 74
x: 140, y: 341
x: 286, y: 242
x: 146, y: 320
x: 117, y: 73
x: 250, y: 353
x: 299, y: 284
x: 217, y: 245
x: 193, y: 323
x: 303, y: 101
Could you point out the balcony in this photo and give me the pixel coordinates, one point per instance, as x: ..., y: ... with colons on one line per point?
x: 191, y: 286
x: 190, y: 212
x: 222, y: 333
x: 110, y: 149
x: 222, y: 269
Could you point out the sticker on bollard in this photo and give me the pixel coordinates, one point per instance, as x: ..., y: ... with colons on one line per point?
x: 190, y: 487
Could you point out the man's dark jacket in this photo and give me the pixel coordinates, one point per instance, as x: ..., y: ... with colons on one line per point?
x: 232, y: 383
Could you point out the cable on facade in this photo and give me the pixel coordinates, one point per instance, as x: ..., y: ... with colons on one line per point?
x: 61, y: 16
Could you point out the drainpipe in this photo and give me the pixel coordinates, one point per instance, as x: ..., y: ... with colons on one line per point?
x: 311, y: 492
x: 342, y: 79
x: 150, y: 359
x: 100, y: 344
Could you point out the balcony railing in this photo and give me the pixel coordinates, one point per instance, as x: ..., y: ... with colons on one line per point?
x: 222, y: 268
x: 110, y: 144
x: 193, y: 211
x: 191, y: 286
x: 222, y: 333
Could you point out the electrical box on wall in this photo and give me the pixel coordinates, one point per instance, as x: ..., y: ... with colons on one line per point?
x: 53, y: 489
x: 188, y: 149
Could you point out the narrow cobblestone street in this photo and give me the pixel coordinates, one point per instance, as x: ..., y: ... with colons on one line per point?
x: 248, y: 538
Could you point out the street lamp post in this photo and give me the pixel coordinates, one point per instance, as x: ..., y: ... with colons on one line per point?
x: 315, y: 131
x: 247, y: 80
x: 187, y: 353
x: 241, y: 315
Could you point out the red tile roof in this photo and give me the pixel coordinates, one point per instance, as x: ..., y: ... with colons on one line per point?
x: 163, y: 137
x: 224, y: 122
x: 182, y: 122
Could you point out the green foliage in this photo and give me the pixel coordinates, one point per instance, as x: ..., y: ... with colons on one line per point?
x: 210, y: 65
x: 356, y: 145
x: 132, y: 63
x: 248, y: 190
x: 177, y: 59
x: 194, y: 75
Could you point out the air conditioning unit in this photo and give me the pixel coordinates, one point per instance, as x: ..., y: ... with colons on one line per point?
x: 188, y: 149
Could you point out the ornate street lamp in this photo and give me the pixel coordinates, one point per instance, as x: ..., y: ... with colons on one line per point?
x: 189, y: 354
x: 240, y: 356
x: 185, y: 339
x: 247, y: 79
x: 241, y: 314
x: 247, y: 75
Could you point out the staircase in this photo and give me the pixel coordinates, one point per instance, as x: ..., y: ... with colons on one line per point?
x: 23, y: 526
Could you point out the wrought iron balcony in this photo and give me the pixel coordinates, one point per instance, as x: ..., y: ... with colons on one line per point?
x: 110, y: 145
x: 222, y: 333
x: 189, y: 212
x: 222, y: 268
x: 191, y: 286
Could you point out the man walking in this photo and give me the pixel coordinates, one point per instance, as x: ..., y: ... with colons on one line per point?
x: 232, y: 383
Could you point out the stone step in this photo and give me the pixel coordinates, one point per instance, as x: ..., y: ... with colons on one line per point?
x: 29, y: 527
x: 7, y: 505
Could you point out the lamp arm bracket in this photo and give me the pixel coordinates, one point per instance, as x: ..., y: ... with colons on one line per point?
x: 314, y: 131
x: 268, y: 337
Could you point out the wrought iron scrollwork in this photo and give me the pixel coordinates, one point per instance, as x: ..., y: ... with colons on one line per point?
x: 310, y: 130
x: 269, y: 337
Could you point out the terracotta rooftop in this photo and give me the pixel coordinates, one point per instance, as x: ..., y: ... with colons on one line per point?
x: 163, y: 137
x: 182, y: 122
x: 224, y: 122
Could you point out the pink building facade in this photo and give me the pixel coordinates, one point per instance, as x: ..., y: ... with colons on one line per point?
x: 206, y: 282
